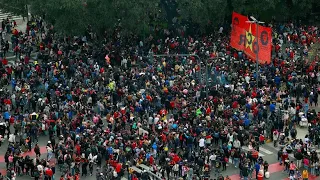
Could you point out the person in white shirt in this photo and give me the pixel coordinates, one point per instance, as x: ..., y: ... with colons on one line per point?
x: 306, y: 139
x: 230, y: 137
x: 236, y: 144
x: 12, y: 138
x: 90, y: 158
x: 50, y: 153
x: 213, y: 158
x: 201, y: 143
x: 40, y: 168
x: 220, y: 30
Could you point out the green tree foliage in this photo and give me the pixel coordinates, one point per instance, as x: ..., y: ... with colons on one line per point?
x: 254, y: 6
x: 299, y: 8
x: 138, y: 16
x: 203, y: 12
x: 216, y: 11
x: 73, y: 16
x: 14, y: 6
x: 68, y: 16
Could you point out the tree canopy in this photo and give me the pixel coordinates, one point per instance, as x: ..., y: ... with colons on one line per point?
x: 73, y: 16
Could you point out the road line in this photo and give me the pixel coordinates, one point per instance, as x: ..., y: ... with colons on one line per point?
x: 265, y: 150
x: 247, y: 149
x: 43, y: 150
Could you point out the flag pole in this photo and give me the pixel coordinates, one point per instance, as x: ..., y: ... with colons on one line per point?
x: 255, y: 21
x: 257, y: 54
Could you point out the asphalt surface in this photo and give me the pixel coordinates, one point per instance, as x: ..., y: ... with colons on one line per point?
x: 267, y: 151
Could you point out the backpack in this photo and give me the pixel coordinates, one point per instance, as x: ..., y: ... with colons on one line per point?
x: 304, y: 174
x: 36, y: 173
x: 255, y: 154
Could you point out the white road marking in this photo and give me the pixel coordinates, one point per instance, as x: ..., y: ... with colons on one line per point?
x: 247, y: 149
x: 265, y: 150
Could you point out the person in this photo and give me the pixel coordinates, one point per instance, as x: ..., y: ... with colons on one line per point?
x: 305, y: 174
x: 245, y: 172
x: 77, y: 176
x: 48, y: 173
x: 95, y: 105
x: 265, y: 166
x: 224, y: 163
x: 287, y: 165
x: 37, y: 150
x: 275, y: 138
x: 306, y: 162
x: 257, y: 169
x: 298, y: 155
x: 36, y: 173
x: 292, y: 168
x: 91, y: 168
x: 280, y: 154
x: 49, y: 151
x: 144, y: 175
x: 217, y: 166
x: 175, y: 169
x: 293, y: 133
x: 84, y: 168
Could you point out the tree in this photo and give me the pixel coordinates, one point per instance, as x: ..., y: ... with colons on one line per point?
x: 73, y: 16
x: 17, y: 7
x: 253, y: 6
x: 299, y: 8
x: 203, y: 12
x: 278, y: 9
x: 68, y: 16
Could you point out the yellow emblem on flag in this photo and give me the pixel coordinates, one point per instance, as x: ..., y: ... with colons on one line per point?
x: 250, y: 38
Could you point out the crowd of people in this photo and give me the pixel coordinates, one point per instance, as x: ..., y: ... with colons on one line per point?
x: 107, y: 104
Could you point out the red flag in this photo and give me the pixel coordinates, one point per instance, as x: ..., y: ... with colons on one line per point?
x: 244, y: 37
x: 238, y: 28
x: 257, y: 43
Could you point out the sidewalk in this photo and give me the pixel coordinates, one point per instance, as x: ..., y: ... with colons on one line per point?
x: 21, y: 26
x: 302, y: 132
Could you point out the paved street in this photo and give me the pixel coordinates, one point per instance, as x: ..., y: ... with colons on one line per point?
x: 4, y: 15
x: 267, y: 151
x: 21, y: 26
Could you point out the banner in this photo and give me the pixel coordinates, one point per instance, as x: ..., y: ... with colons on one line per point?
x: 244, y: 37
x: 257, y: 43
x: 238, y: 28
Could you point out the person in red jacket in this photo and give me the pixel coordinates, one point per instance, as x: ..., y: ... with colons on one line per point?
x: 284, y: 156
x: 49, y: 173
x: 134, y: 177
x: 77, y: 176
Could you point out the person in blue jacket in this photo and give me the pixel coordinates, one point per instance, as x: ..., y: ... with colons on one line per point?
x: 257, y: 168
x: 6, y: 116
